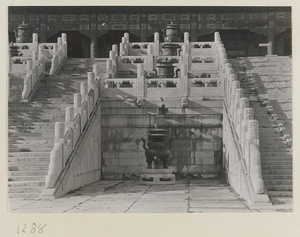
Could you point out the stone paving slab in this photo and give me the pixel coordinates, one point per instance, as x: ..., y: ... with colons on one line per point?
x: 131, y: 197
x: 218, y: 210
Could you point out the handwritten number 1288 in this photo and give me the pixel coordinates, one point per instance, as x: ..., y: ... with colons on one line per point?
x: 34, y: 228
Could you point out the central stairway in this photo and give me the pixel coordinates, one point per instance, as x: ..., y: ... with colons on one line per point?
x: 261, y: 80
x: 31, y: 127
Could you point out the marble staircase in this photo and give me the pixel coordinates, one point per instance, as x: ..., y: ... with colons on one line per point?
x: 262, y: 78
x: 31, y: 128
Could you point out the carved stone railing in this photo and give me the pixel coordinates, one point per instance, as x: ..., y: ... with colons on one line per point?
x: 203, y: 63
x: 32, y: 64
x: 203, y: 48
x: 141, y: 86
x: 69, y: 133
x: 242, y: 158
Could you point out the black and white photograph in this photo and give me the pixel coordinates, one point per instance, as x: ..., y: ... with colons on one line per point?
x: 156, y: 109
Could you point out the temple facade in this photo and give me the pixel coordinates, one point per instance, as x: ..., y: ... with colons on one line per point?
x: 92, y: 30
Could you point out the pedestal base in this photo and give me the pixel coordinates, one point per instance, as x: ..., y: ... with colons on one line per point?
x: 157, y: 176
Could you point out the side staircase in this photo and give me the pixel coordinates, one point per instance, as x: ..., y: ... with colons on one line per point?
x: 275, y: 145
x: 31, y: 128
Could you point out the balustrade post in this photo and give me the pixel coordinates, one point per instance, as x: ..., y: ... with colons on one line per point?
x: 59, y: 42
x: 69, y: 122
x: 112, y: 57
x: 122, y: 49
x: 234, y: 85
x: 243, y: 104
x: 115, y: 49
x: 126, y: 36
x: 59, y: 50
x: 35, y: 57
x: 54, y: 64
x: 226, y: 72
x: 64, y: 42
x: 239, y: 93
x: 27, y: 86
x: 59, y: 132
x: 69, y: 116
x: 64, y: 37
x: 248, y: 115
x: 29, y: 66
x: 55, y: 49
x: 124, y: 42
x: 216, y: 36
x: 186, y: 37
x: 150, y: 57
x: 109, y: 68
x: 42, y: 57
x: 185, y: 54
x: 254, y: 156
x: 35, y: 42
x: 96, y: 70
x: 84, y: 90
x: 140, y: 82
x: 184, y: 82
x: 233, y: 77
x: 156, y: 44
x: 92, y: 86
x: 77, y: 103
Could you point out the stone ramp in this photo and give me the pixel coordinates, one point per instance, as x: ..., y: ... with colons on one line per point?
x: 267, y: 83
x: 31, y: 127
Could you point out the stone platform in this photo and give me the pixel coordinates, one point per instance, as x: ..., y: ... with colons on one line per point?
x: 157, y: 176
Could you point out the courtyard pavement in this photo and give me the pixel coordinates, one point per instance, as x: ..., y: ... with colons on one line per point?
x: 185, y: 196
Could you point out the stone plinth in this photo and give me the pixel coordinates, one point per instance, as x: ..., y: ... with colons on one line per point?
x: 157, y: 176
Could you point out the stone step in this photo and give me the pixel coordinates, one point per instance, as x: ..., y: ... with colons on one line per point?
x: 27, y: 162
x: 35, y: 132
x: 37, y: 141
x: 276, y: 153
x: 278, y: 187
x: 277, y: 167
x: 29, y: 189
x: 28, y: 168
x: 276, y: 172
x: 33, y: 135
x: 29, y: 154
x: 273, y: 149
x: 30, y: 149
x: 277, y: 176
x: 280, y: 193
x: 273, y: 157
x: 29, y: 159
x: 25, y: 195
x: 32, y: 127
x: 269, y: 130
x: 29, y: 135
x: 27, y: 173
x: 276, y: 162
x: 277, y: 144
x: 271, y: 144
x: 18, y: 120
x: 27, y: 178
x: 278, y: 182
x: 30, y: 145
x: 273, y: 140
x: 26, y: 183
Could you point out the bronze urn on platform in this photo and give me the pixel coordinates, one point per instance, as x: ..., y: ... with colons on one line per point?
x: 158, y: 150
x: 24, y: 33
